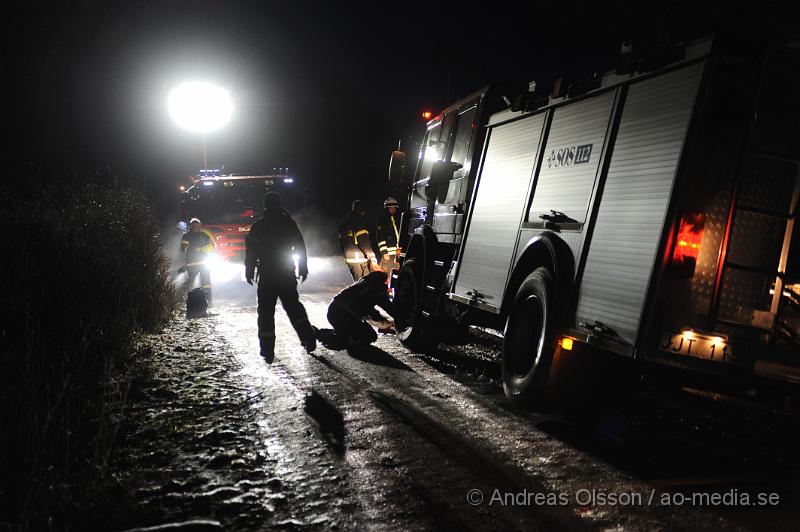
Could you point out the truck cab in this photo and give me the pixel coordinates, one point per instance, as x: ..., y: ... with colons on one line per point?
x: 228, y: 205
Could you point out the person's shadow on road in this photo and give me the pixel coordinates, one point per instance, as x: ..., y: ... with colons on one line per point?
x: 375, y: 355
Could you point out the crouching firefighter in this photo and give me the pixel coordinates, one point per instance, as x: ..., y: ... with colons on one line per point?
x: 197, y: 245
x: 270, y: 245
x: 349, y: 307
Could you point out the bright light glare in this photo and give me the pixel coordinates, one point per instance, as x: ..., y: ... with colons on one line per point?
x: 319, y: 264
x: 432, y: 154
x: 222, y: 271
x: 213, y: 261
x: 315, y: 264
x: 199, y: 106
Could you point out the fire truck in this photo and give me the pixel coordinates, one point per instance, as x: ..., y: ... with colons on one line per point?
x: 646, y: 214
x: 229, y: 204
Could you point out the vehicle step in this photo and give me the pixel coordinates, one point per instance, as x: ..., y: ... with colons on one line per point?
x: 776, y: 156
x: 753, y: 269
x: 740, y: 325
x: 764, y: 212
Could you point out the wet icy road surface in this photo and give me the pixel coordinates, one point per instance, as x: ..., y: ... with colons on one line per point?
x: 429, y: 443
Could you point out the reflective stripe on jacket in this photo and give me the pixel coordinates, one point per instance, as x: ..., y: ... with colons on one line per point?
x: 388, y: 234
x: 196, y: 246
x: 354, y: 239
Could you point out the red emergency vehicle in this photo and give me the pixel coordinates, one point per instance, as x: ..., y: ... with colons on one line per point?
x: 227, y: 205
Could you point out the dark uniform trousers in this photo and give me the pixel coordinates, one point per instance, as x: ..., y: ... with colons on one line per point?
x: 358, y: 253
x: 350, y: 325
x: 283, y: 286
x: 356, y: 245
x: 358, y: 269
x: 196, y: 246
x: 205, y: 278
x: 388, y: 240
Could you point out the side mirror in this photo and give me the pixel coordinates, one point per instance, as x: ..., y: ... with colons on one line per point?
x: 182, y: 226
x: 442, y: 172
x: 397, y: 169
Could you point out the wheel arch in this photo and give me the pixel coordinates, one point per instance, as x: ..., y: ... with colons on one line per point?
x: 421, y: 246
x: 545, y: 250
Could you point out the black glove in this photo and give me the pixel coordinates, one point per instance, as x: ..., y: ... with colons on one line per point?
x: 249, y: 275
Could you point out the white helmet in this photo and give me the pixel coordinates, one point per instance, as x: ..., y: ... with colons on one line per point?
x: 390, y: 202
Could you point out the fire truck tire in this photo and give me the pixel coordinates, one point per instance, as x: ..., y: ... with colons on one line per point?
x: 409, y: 321
x: 529, y: 340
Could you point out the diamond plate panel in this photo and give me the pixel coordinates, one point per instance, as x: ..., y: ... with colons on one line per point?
x: 756, y: 240
x: 767, y: 184
x: 706, y: 270
x: 743, y: 293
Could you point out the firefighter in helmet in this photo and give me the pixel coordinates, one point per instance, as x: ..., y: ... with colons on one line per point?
x: 271, y: 246
x: 355, y: 243
x: 388, y: 235
x: 197, y: 244
x: 350, y: 307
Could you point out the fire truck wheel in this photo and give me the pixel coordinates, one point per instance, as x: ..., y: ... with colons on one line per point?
x: 408, y: 319
x: 529, y: 339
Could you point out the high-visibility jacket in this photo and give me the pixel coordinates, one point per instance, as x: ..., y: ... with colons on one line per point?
x: 354, y: 239
x: 387, y: 232
x: 271, y: 244
x: 196, y: 246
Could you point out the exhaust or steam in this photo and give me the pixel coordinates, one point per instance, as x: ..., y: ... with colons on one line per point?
x: 327, y: 271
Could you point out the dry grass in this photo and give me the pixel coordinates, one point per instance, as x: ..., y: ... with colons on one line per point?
x: 82, y: 275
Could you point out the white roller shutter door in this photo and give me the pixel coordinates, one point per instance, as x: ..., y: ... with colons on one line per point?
x: 497, y: 210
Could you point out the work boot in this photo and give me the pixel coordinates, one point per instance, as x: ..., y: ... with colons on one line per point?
x: 268, y: 356
x: 310, y: 341
x: 268, y: 349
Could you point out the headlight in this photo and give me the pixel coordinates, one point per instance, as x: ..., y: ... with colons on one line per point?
x: 214, y: 261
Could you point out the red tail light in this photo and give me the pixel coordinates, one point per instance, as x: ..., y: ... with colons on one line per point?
x: 427, y: 115
x: 688, y: 242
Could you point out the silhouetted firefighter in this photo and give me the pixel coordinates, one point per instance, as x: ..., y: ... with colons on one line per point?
x: 349, y: 307
x: 197, y: 243
x: 270, y: 246
x: 387, y: 231
x: 355, y: 243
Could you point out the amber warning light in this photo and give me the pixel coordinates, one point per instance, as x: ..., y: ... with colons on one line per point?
x: 427, y: 115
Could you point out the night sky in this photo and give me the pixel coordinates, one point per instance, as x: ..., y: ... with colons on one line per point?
x: 324, y: 88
